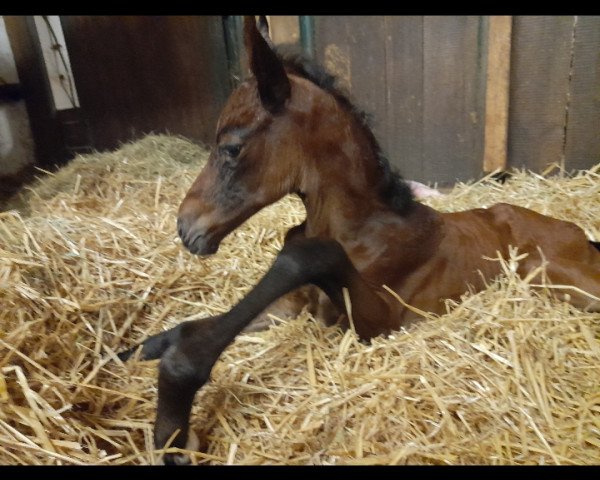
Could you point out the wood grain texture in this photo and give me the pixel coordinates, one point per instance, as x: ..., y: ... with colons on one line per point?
x: 142, y: 74
x: 404, y: 103
x: 422, y: 79
x: 353, y: 49
x: 434, y: 73
x: 582, y: 149
x: 368, y: 70
x: 497, y: 93
x: 454, y: 96
x: 539, y: 83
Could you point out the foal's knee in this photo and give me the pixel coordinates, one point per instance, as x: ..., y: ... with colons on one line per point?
x: 179, y: 370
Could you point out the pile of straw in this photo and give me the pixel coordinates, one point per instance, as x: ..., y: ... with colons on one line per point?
x: 90, y: 264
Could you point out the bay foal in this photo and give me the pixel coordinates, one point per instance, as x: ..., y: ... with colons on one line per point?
x: 288, y: 130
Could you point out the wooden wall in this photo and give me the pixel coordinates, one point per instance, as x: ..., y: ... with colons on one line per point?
x: 555, y: 92
x: 141, y: 74
x: 424, y: 80
x: 429, y: 83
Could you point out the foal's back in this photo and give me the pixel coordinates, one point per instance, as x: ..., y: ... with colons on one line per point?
x: 469, y: 239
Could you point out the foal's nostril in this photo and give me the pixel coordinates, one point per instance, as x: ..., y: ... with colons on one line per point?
x: 194, y: 237
x: 181, y: 228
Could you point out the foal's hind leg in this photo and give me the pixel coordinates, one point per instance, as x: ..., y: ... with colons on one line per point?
x: 574, y: 281
x: 189, y: 353
x: 584, y: 277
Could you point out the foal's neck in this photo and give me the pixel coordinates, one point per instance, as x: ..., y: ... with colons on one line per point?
x: 344, y: 180
x: 343, y: 194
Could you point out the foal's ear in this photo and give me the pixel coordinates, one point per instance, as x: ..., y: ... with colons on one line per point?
x: 273, y: 84
x: 263, y: 28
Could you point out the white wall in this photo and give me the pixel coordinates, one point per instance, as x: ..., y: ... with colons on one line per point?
x: 16, y: 143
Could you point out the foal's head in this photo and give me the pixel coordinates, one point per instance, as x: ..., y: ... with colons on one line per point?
x: 253, y: 162
x: 279, y: 132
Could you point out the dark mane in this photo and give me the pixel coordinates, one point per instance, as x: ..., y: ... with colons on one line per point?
x: 394, y: 191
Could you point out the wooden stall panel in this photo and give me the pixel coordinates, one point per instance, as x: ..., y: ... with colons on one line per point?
x: 453, y: 97
x: 403, y: 140
x: 539, y: 83
x: 352, y: 48
x: 379, y: 60
x: 423, y: 79
x: 140, y: 74
x: 497, y: 93
x: 582, y: 148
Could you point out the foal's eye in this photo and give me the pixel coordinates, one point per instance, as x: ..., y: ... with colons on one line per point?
x: 231, y: 151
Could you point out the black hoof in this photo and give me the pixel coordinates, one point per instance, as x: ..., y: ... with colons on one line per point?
x: 176, y: 459
x: 126, y: 355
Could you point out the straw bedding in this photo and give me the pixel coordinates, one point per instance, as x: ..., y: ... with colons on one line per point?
x: 90, y: 264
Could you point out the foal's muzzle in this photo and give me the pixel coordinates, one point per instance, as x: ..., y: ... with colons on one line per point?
x: 196, y: 239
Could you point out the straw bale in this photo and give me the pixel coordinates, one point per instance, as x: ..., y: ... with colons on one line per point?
x: 91, y: 264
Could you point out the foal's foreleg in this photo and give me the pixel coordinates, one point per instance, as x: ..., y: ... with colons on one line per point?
x: 189, y: 353
x: 290, y: 305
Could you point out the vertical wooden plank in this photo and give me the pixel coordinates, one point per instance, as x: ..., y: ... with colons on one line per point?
x: 497, y: 93
x: 404, y: 92
x: 582, y: 149
x: 333, y: 49
x: 539, y: 80
x: 367, y: 70
x: 379, y: 60
x: 454, y: 96
x: 353, y: 48
x: 284, y: 28
x: 432, y: 76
